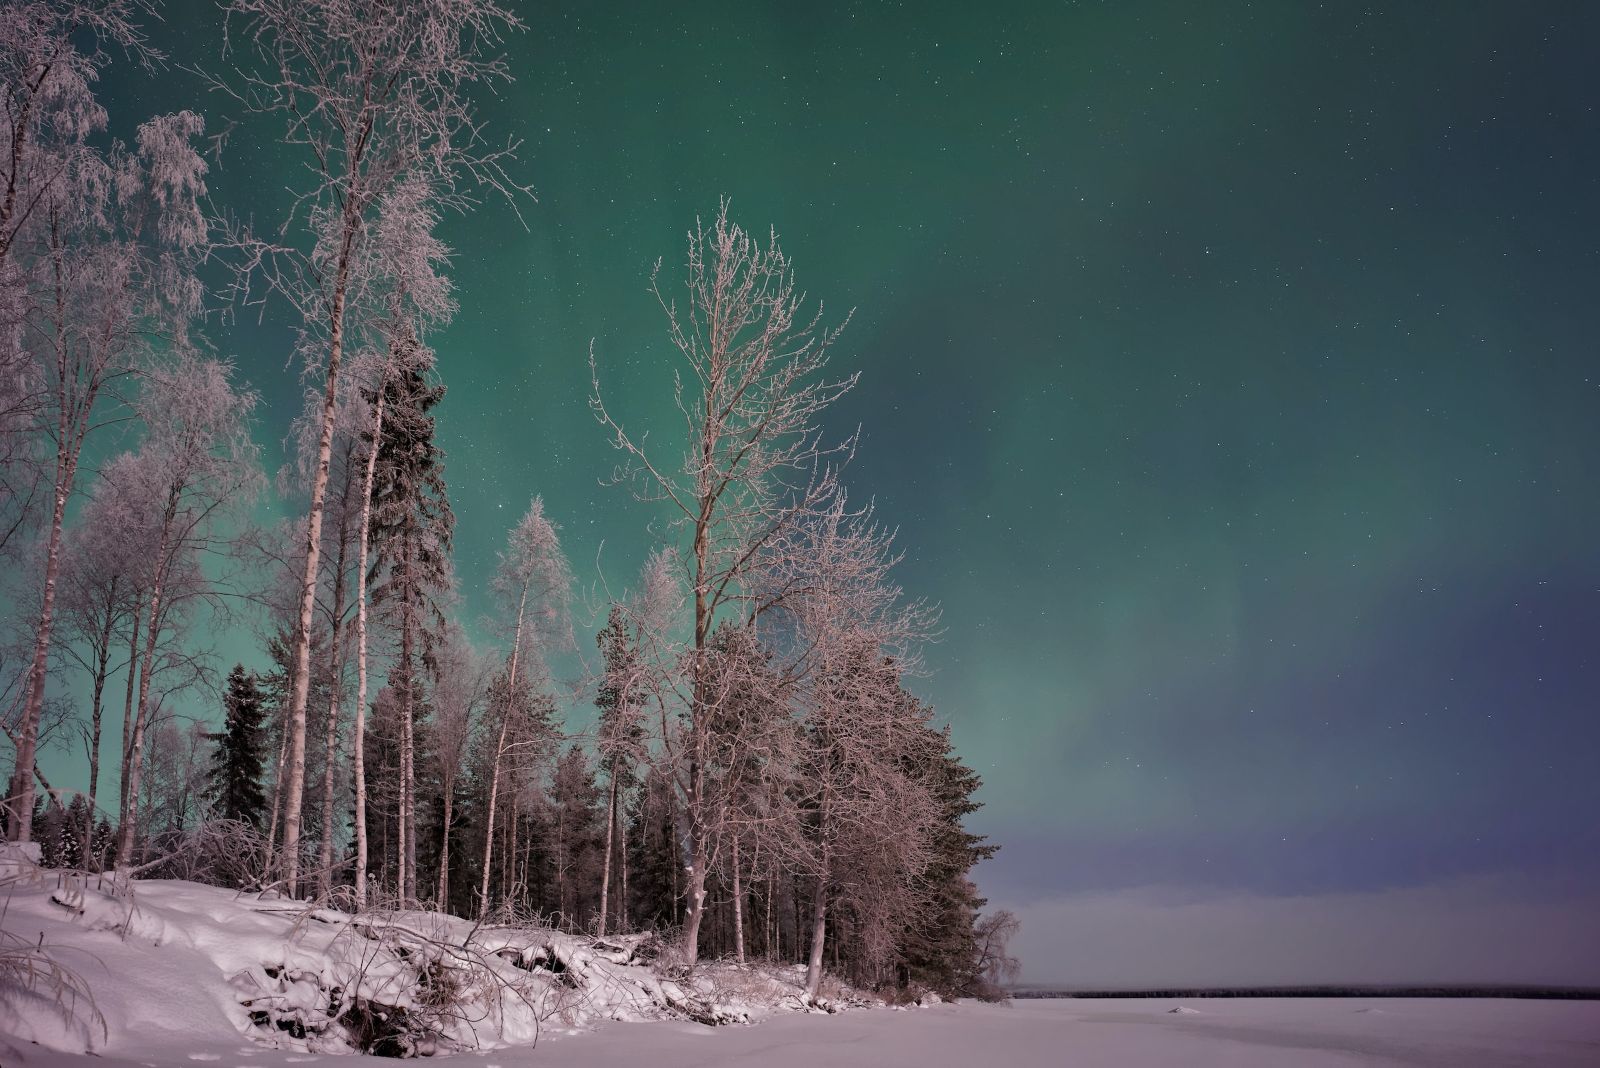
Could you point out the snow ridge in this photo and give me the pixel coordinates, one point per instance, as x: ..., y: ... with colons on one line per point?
x: 167, y: 963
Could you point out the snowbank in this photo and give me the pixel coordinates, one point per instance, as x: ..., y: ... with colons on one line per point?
x: 162, y: 964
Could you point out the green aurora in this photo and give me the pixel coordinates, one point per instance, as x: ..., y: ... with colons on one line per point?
x: 1229, y: 371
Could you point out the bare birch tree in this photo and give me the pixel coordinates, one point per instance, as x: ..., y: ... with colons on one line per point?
x: 103, y: 584
x: 197, y: 462
x: 348, y: 503
x: 850, y: 634
x: 411, y: 258
x: 462, y: 683
x: 110, y: 247
x: 751, y: 393
x: 376, y: 94
x: 534, y: 577
x: 51, y: 54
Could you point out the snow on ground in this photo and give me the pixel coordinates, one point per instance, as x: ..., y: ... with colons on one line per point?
x: 167, y: 971
x: 1238, y: 1033
x: 184, y: 974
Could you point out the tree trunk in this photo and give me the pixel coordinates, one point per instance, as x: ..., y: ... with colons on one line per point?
x: 19, y: 144
x: 819, y: 930
x: 331, y: 738
x: 21, y: 793
x: 509, y: 879
x: 499, y: 755
x: 738, y: 907
x: 408, y: 872
x: 695, y: 894
x: 359, y: 742
x: 622, y: 897
x: 130, y: 818
x: 605, y: 870
x: 96, y: 708
x: 408, y: 637
x: 766, y: 925
x: 300, y: 678
x: 443, y: 902
x: 127, y: 706
x: 277, y: 798
x: 490, y: 830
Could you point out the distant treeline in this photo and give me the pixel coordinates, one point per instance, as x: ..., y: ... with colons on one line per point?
x: 1558, y: 993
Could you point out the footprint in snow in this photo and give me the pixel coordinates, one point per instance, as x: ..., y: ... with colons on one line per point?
x: 1184, y: 1010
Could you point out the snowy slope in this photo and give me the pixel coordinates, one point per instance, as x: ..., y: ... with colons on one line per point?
x: 175, y: 968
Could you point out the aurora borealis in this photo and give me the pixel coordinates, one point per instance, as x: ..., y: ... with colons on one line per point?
x: 1230, y: 371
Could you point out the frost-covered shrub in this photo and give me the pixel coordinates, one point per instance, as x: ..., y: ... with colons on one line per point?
x: 37, y: 990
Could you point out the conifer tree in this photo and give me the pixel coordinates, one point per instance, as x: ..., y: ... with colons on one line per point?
x: 73, y: 835
x: 575, y: 838
x: 939, y: 950
x: 234, y: 781
x: 621, y: 736
x: 657, y: 855
x: 101, y: 845
x: 411, y: 530
x: 49, y: 828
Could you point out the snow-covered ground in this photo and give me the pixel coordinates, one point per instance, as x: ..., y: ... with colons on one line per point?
x: 1240, y: 1033
x: 165, y: 972
x: 182, y: 974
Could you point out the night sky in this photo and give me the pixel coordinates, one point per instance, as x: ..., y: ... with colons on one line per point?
x: 1230, y: 371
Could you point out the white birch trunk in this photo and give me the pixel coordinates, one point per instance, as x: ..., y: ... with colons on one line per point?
x: 738, y: 907
x: 300, y: 678
x: 499, y: 756
x: 359, y: 742
x: 130, y: 817
x: 605, y: 870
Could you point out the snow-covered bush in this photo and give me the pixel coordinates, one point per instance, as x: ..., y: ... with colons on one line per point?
x: 52, y: 1001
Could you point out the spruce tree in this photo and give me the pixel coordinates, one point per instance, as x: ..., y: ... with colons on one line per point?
x: 621, y: 736
x: 234, y: 781
x: 71, y: 837
x: 101, y: 845
x: 577, y: 816
x: 939, y: 950
x: 49, y: 828
x: 656, y: 855
x: 411, y: 530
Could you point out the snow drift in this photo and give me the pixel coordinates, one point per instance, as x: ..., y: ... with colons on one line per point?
x: 101, y: 963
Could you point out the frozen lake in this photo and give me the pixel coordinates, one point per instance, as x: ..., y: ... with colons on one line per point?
x: 1304, y: 1032
x: 1309, y: 1032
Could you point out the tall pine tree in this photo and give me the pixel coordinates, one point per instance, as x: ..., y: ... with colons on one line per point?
x: 576, y: 815
x: 621, y: 737
x: 939, y: 949
x: 234, y: 781
x: 411, y: 530
x: 655, y: 882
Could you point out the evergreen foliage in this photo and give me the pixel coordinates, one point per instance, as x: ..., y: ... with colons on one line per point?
x: 234, y: 781
x: 939, y: 949
x: 656, y: 852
